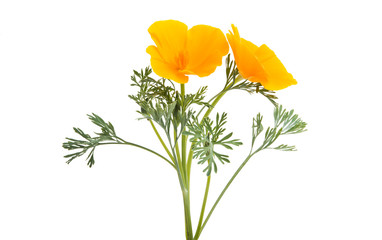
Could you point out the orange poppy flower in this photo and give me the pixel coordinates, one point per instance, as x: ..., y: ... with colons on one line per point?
x: 180, y: 51
x: 259, y: 64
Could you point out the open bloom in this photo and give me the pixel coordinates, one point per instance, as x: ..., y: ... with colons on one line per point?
x: 259, y: 64
x: 180, y: 51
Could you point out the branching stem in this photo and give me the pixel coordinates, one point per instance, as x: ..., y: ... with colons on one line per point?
x: 144, y: 148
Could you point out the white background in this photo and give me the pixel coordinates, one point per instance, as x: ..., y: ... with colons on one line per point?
x: 60, y: 60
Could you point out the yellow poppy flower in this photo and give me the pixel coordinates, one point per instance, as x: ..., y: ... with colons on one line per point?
x: 259, y: 64
x: 180, y: 51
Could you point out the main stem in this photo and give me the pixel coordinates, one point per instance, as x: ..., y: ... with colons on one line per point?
x: 186, y: 190
x: 184, y: 141
x: 185, y: 195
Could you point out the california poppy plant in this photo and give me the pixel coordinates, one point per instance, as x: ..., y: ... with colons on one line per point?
x: 180, y: 51
x: 182, y: 120
x: 259, y: 64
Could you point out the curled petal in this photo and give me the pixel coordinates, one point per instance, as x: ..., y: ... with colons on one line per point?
x: 277, y: 75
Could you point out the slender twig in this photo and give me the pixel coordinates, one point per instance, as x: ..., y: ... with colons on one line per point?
x: 161, y: 140
x: 198, y: 230
x: 222, y: 193
x: 139, y: 146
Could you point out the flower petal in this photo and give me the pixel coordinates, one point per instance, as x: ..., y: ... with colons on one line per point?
x: 277, y: 75
x: 206, y: 46
x: 170, y: 37
x: 244, y: 53
x: 162, y: 68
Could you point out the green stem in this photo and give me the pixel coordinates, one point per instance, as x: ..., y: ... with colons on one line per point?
x: 186, y: 199
x: 161, y: 140
x: 225, y: 89
x: 187, y: 212
x: 189, y: 161
x: 178, y: 157
x: 139, y: 146
x: 217, y: 99
x: 185, y: 195
x: 186, y: 192
x: 184, y: 141
x: 198, y: 230
x: 222, y: 193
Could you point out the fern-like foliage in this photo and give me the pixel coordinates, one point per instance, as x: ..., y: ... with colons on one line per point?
x: 162, y: 90
x: 160, y: 102
x: 206, y: 136
x: 106, y: 136
x: 285, y: 122
x: 197, y: 98
x: 288, y: 121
